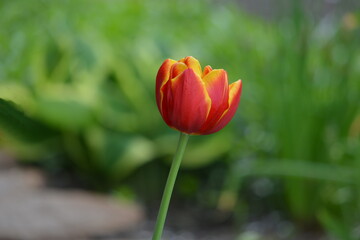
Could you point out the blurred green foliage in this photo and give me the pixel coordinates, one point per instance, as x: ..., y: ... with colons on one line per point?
x: 77, y: 90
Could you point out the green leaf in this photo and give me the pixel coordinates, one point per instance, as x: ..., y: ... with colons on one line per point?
x: 15, y: 122
x: 63, y: 113
x: 334, y: 226
x: 300, y: 169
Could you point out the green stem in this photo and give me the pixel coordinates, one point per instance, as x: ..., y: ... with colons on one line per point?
x: 170, y: 186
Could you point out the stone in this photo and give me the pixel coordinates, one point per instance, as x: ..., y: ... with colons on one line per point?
x: 31, y: 211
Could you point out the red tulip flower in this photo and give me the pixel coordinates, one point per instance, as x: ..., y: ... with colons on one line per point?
x: 194, y: 101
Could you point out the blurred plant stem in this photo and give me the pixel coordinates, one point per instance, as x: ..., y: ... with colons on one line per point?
x: 170, y: 186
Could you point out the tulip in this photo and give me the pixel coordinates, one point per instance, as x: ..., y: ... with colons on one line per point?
x: 193, y: 101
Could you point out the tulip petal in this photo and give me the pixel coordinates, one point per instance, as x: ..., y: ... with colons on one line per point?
x: 177, y: 69
x: 189, y: 102
x: 207, y: 69
x: 216, y: 84
x: 161, y: 78
x: 167, y: 103
x: 234, y: 99
x: 192, y: 63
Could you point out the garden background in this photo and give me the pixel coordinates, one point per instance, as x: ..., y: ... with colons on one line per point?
x: 77, y: 100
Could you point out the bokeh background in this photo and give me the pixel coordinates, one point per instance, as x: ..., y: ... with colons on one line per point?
x: 77, y: 101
